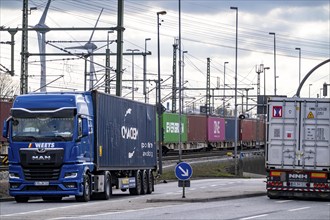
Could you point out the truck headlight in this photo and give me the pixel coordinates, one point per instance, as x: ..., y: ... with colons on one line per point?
x: 71, y: 175
x: 13, y: 176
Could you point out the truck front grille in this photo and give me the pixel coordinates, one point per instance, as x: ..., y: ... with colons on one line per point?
x: 41, y: 174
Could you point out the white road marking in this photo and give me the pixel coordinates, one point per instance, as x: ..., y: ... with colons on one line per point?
x: 283, y: 201
x: 108, y: 213
x: 43, y: 210
x: 298, y: 209
x: 252, y: 217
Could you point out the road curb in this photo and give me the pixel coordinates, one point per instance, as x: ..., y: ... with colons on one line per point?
x: 211, y: 199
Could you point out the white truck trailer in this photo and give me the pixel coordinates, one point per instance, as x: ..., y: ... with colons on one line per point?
x: 298, y: 148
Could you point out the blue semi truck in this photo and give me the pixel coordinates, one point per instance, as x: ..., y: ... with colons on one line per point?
x: 80, y: 144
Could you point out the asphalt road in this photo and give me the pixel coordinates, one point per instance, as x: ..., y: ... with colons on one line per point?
x: 205, y: 199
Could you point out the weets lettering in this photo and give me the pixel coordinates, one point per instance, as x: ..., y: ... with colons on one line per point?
x: 129, y: 133
x: 45, y: 145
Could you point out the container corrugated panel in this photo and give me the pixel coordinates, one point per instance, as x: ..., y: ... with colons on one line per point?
x: 216, y: 129
x: 4, y: 114
x: 171, y: 128
x: 230, y: 129
x: 261, y: 130
x: 298, y: 133
x: 248, y: 130
x: 197, y: 128
x: 125, y: 133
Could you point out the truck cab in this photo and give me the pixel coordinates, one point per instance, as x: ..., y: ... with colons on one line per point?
x: 50, y: 145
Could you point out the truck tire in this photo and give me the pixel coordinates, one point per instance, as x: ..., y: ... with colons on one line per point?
x: 107, y: 191
x: 144, y: 182
x: 107, y: 188
x: 138, y: 184
x: 21, y: 199
x: 86, y: 190
x: 150, y: 182
x: 272, y: 195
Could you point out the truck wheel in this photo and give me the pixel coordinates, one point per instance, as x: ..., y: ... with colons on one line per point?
x: 138, y: 184
x: 272, y: 195
x: 107, y: 187
x: 86, y: 190
x: 107, y: 191
x: 144, y: 182
x: 21, y: 199
x: 150, y: 182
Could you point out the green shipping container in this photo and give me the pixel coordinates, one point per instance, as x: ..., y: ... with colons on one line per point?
x: 171, y: 128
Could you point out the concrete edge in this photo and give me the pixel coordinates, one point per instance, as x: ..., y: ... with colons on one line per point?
x: 212, y: 199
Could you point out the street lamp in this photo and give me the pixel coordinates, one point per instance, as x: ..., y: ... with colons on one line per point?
x: 183, y: 64
x: 299, y: 49
x: 272, y: 33
x: 132, y: 50
x: 224, y: 87
x: 264, y: 101
x: 236, y: 125
x: 159, y: 109
x: 107, y: 65
x: 309, y: 90
x: 145, y: 69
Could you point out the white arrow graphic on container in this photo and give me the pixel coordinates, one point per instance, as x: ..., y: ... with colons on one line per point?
x: 184, y: 172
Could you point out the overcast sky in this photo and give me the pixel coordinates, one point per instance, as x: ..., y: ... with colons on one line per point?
x: 208, y: 30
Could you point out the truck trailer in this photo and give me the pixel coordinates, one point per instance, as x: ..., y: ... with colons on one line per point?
x: 80, y: 144
x: 298, y: 148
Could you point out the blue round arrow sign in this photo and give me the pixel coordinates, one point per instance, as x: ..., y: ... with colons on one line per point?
x: 183, y: 171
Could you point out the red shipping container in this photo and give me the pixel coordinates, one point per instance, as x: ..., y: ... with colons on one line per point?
x: 197, y: 125
x: 4, y: 114
x: 216, y: 129
x: 248, y: 130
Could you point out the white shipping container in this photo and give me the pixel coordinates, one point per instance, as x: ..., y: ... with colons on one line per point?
x: 298, y: 134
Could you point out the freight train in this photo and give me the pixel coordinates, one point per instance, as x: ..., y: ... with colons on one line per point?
x: 199, y: 131
x: 209, y: 132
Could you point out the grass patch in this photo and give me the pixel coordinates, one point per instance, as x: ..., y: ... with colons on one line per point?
x: 204, y: 170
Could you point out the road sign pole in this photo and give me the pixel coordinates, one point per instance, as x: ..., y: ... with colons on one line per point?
x: 183, y: 172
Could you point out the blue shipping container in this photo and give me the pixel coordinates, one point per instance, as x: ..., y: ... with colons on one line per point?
x: 230, y: 129
x: 125, y: 133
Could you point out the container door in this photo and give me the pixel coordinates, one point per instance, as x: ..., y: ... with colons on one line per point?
x: 315, y: 132
x: 283, y: 134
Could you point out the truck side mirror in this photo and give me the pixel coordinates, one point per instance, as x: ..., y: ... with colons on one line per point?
x: 5, y: 129
x: 84, y: 127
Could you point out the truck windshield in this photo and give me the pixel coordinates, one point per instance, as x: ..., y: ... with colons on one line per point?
x: 42, y: 129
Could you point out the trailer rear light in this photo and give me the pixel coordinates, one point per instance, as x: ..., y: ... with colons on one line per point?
x: 275, y: 173
x: 319, y: 175
x: 322, y: 185
x: 275, y: 183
